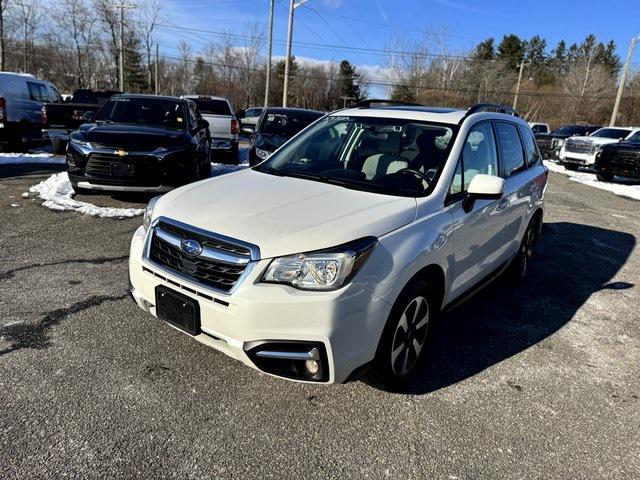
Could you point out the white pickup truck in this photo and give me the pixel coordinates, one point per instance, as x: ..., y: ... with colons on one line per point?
x: 223, y: 125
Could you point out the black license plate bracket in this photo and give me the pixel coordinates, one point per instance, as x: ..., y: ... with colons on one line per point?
x: 178, y: 309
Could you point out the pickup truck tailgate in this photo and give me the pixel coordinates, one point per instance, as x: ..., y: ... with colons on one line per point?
x: 219, y: 125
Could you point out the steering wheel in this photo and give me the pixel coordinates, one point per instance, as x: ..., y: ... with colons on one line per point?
x: 417, y: 173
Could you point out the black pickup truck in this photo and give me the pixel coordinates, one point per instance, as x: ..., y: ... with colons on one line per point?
x: 622, y: 158
x: 60, y: 119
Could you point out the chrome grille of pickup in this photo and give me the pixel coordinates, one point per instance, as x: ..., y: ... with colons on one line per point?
x: 545, y: 143
x: 220, y: 265
x: 579, y: 146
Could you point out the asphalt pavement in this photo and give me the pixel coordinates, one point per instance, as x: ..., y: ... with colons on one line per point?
x: 527, y: 381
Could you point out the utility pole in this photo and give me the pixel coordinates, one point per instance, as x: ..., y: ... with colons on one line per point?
x: 515, y: 99
x: 623, y: 80
x: 292, y: 7
x: 268, y: 82
x: 157, y: 61
x: 2, y: 7
x: 122, y: 6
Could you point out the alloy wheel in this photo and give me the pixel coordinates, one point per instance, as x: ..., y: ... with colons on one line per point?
x: 526, y: 251
x: 410, y: 336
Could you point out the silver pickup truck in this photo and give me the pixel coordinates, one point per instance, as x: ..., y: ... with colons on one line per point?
x: 223, y: 125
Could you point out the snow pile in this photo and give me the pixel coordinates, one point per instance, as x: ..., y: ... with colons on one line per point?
x: 57, y: 194
x: 623, y: 187
x: 13, y: 158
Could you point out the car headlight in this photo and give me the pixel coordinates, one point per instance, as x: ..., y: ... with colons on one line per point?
x: 321, y: 270
x: 81, y: 143
x: 148, y: 213
x: 263, y: 154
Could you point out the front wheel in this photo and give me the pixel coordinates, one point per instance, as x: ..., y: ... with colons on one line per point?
x: 604, y: 177
x: 571, y: 166
x: 59, y: 146
x: 405, y: 336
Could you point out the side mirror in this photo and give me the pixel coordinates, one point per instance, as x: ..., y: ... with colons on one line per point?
x: 88, y: 116
x: 483, y: 187
x: 248, y: 129
x: 202, y: 123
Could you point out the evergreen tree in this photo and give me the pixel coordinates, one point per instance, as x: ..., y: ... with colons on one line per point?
x: 559, y: 58
x: 203, y: 78
x: 348, y: 81
x: 485, y: 50
x: 134, y: 66
x: 511, y: 50
x: 403, y: 93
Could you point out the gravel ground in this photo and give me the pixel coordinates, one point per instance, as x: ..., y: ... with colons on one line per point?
x: 538, y: 380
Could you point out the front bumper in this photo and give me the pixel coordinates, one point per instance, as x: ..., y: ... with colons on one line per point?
x: 583, y: 159
x: 102, y: 169
x: 55, y: 133
x: 623, y: 169
x: 347, y: 323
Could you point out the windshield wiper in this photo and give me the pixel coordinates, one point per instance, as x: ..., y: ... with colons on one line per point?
x: 269, y: 169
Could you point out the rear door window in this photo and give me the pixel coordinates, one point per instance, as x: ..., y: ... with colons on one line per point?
x: 38, y: 92
x: 510, y: 147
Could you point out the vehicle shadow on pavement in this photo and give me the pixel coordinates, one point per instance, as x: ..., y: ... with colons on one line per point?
x: 571, y: 263
x: 25, y: 169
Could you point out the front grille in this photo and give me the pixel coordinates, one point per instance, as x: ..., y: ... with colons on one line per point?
x: 622, y: 158
x: 579, y: 146
x: 216, y: 273
x: 545, y: 143
x: 138, y: 169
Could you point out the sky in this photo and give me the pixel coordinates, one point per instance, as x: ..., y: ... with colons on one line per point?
x: 357, y: 30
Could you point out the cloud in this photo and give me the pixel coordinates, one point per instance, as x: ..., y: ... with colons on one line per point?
x: 383, y: 14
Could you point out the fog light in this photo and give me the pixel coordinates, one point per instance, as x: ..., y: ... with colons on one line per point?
x: 312, y: 366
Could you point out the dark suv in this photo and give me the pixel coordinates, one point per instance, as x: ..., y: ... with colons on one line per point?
x: 551, y: 143
x: 140, y: 143
x: 622, y: 158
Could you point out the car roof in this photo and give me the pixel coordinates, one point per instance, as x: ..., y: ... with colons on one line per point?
x: 142, y: 95
x: 429, y: 114
x: 291, y: 110
x: 208, y: 97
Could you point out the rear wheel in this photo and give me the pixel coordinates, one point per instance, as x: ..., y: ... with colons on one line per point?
x: 604, y: 177
x: 58, y: 146
x: 520, y: 265
x: 406, y: 333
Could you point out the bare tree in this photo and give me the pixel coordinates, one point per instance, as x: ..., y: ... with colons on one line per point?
x: 28, y: 14
x: 3, y: 7
x: 149, y: 16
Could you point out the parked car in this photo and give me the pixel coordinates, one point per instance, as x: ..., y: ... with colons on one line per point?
x: 275, y: 127
x: 339, y: 251
x: 21, y: 99
x: 581, y: 151
x: 60, y: 119
x: 140, y: 143
x: 249, y: 119
x: 223, y: 125
x: 551, y: 143
x: 539, y: 127
x: 622, y: 158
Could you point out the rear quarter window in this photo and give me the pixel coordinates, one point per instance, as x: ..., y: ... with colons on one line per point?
x: 510, y: 148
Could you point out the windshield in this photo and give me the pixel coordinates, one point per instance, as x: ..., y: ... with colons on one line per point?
x: 617, y: 133
x: 287, y: 124
x: 389, y: 156
x: 635, y: 138
x: 571, y: 130
x: 143, y: 111
x: 253, y: 112
x: 208, y: 106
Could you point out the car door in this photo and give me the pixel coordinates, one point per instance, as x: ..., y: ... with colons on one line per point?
x: 199, y: 133
x: 518, y: 152
x: 477, y: 247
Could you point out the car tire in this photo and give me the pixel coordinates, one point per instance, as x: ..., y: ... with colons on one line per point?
x: 406, y: 334
x: 58, y: 146
x: 233, y: 155
x: 520, y: 265
x: 571, y: 166
x: 604, y: 177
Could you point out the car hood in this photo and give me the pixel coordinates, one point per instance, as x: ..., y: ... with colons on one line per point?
x: 595, y: 140
x: 625, y: 146
x: 133, y: 137
x: 284, y: 215
x: 552, y: 135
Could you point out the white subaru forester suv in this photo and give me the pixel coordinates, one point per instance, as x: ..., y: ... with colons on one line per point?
x: 338, y: 251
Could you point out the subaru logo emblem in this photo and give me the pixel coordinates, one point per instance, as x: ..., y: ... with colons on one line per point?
x: 191, y: 247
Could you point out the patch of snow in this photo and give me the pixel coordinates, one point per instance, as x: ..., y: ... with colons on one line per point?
x: 15, y: 205
x: 14, y: 158
x: 622, y: 186
x: 25, y: 195
x: 221, y: 168
x: 57, y: 194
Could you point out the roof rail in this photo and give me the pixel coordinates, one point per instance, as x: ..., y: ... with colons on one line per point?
x: 370, y: 101
x: 490, y: 107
